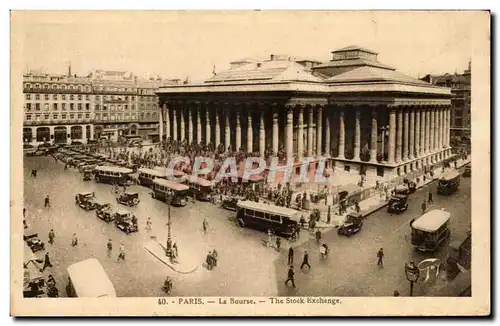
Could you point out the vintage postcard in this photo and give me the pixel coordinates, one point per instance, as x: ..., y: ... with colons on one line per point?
x: 250, y: 163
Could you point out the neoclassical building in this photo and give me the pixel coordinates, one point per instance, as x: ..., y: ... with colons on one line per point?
x: 363, y: 115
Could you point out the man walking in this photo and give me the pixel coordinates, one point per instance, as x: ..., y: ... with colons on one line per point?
x: 430, y: 198
x: 52, y: 236
x: 290, y: 256
x: 305, y: 261
x: 290, y: 277
x: 109, y: 246
x: 424, y: 206
x: 74, y: 240
x: 380, y: 256
x: 47, y: 201
x: 121, y: 253
x: 46, y: 262
x: 148, y: 225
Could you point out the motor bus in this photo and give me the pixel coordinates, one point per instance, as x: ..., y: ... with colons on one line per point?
x: 448, y: 183
x: 88, y: 279
x: 112, y: 175
x: 430, y: 230
x: 166, y: 189
x: 200, y: 188
x: 146, y: 176
x: 281, y: 221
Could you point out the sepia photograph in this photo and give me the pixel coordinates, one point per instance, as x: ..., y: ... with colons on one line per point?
x: 250, y: 162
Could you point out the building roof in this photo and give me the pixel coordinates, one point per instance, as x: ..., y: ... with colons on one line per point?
x: 353, y: 63
x: 271, y: 70
x: 353, y: 48
x: 374, y: 74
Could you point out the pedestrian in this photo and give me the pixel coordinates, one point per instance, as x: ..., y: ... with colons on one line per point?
x: 74, y: 240
x: 24, y: 212
x: 205, y: 225
x: 290, y: 256
x: 430, y: 198
x: 329, y: 215
x: 318, y: 236
x: 305, y: 261
x: 109, y: 246
x: 52, y: 236
x: 269, y: 237
x: 396, y: 293
x: 290, y: 276
x: 46, y: 262
x: 47, y: 201
x: 424, y: 206
x: 121, y: 253
x: 278, y: 243
x: 148, y: 225
x: 380, y: 257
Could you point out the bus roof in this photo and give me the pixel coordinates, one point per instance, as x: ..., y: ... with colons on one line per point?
x: 450, y: 175
x: 431, y: 221
x: 90, y: 280
x: 156, y: 173
x: 203, y: 182
x: 169, y: 172
x: 113, y: 169
x: 267, y: 208
x: 171, y: 184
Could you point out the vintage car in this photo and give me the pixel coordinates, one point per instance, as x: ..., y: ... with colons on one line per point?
x: 126, y: 221
x: 397, y: 204
x: 412, y: 187
x: 467, y: 171
x: 230, y: 203
x: 85, y: 200
x: 352, y: 224
x: 87, y: 175
x: 402, y: 190
x: 103, y: 211
x: 128, y: 198
x: 34, y: 242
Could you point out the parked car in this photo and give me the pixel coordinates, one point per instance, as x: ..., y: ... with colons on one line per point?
x: 128, y: 198
x: 230, y: 203
x: 103, y: 211
x: 126, y: 221
x: 352, y: 224
x: 34, y: 242
x: 85, y: 200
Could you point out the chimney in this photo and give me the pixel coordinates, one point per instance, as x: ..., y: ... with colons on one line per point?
x: 272, y: 57
x: 69, y: 69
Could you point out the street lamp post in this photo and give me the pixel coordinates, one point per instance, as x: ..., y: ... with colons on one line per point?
x: 412, y: 274
x: 169, y: 234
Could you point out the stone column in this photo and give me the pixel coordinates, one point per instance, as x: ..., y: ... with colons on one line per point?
x: 399, y: 137
x: 217, y: 127
x: 443, y: 129
x: 289, y: 132
x: 432, y: 129
x: 167, y: 121
x: 448, y: 121
x: 300, y: 134
x: 411, y: 145
x: 310, y: 132
x: 423, y: 123
x: 208, y: 130
x: 341, y: 135
x: 174, y: 124
x: 160, y: 122
x: 417, y: 132
x: 427, y: 130
x: 276, y: 134
x: 262, y: 135
x: 437, y: 129
x: 198, y: 125
x: 183, y: 125
x: 249, y: 133
x: 190, y: 125
x: 238, y: 131
x: 327, y: 134
x: 406, y: 123
x: 391, y: 146
x: 374, y: 136
x: 319, y: 131
x: 227, y: 128
x: 357, y: 136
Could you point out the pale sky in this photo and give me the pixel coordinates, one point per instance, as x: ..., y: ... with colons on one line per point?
x: 180, y: 44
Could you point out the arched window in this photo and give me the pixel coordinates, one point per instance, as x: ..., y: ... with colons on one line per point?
x: 54, y: 86
x: 28, y: 85
x: 71, y: 87
x: 45, y: 86
x: 37, y: 86
x: 63, y: 87
x: 79, y: 88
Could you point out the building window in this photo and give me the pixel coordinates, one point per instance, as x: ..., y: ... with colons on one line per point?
x: 70, y: 87
x: 96, y: 106
x: 37, y: 86
x: 55, y: 116
x: 54, y: 86
x: 133, y: 98
x: 63, y: 96
x: 79, y: 106
x: 46, y: 97
x: 63, y: 106
x: 54, y: 106
x: 105, y: 97
x: 79, y: 88
x: 97, y: 97
x: 37, y: 106
x: 63, y: 116
x: 37, y: 97
x: 28, y: 96
x: 28, y: 106
x: 87, y: 89
x: 37, y: 117
x: 133, y: 107
x: 46, y: 106
x: 126, y: 107
x: 87, y: 115
x: 97, y: 116
x: 71, y: 106
x: 46, y: 116
x: 126, y: 98
x: 45, y: 86
x: 71, y: 115
x: 28, y: 85
x: 79, y: 97
x: 63, y: 87
x: 28, y: 117
x: 87, y: 97
x: 54, y: 97
x: 71, y: 97
x: 79, y: 115
x: 87, y: 106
